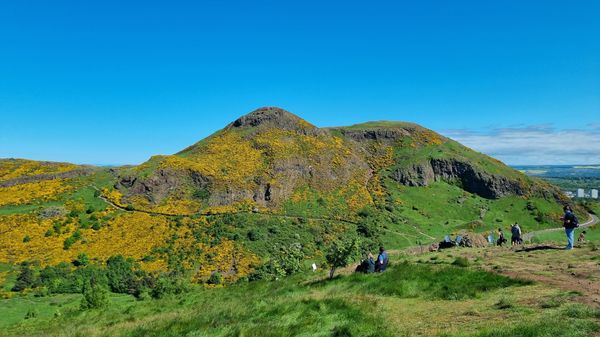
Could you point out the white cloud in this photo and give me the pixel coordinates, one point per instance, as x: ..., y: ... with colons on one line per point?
x: 534, y: 144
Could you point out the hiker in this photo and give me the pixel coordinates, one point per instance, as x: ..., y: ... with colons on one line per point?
x: 370, y: 263
x: 382, y: 260
x: 367, y: 265
x: 581, y: 237
x: 570, y: 223
x: 501, y: 239
x: 515, y: 239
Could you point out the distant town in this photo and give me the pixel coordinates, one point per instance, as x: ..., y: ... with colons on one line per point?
x: 583, y: 193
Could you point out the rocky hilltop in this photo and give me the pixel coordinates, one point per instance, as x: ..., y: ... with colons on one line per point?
x: 271, y: 156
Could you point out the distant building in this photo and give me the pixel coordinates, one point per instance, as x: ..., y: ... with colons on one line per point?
x: 594, y: 194
x: 580, y: 193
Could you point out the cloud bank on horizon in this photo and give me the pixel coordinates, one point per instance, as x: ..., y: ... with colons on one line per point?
x: 534, y: 144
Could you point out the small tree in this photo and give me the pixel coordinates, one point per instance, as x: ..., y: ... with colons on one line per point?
x: 341, y: 253
x: 25, y: 278
x: 82, y: 260
x: 94, y: 296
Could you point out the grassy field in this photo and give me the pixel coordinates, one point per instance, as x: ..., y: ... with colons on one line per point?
x: 422, y: 295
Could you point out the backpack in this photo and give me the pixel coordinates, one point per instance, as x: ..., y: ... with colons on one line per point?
x: 574, y: 221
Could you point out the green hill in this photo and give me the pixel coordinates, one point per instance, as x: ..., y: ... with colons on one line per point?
x: 267, y: 182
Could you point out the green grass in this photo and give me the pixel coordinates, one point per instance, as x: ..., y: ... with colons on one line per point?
x: 23, y: 209
x: 408, y: 280
x: 288, y: 307
x: 439, y: 209
x: 308, y: 305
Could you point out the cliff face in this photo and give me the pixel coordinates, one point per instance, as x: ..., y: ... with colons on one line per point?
x: 462, y: 173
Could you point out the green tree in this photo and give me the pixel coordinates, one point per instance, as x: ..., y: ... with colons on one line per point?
x: 25, y: 278
x: 120, y: 273
x: 94, y: 296
x: 341, y: 253
x: 82, y: 260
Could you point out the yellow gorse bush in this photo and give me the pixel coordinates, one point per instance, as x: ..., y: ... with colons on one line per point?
x: 36, y: 191
x: 17, y: 168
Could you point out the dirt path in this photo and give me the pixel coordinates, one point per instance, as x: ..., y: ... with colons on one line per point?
x: 592, y: 221
x: 200, y: 214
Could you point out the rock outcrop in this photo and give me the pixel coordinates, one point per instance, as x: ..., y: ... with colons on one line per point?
x: 465, y: 174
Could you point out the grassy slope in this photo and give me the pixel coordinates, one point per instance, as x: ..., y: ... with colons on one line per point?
x: 397, y: 303
x: 441, y: 209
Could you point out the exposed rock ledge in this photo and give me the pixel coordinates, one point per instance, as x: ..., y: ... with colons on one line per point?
x: 462, y: 173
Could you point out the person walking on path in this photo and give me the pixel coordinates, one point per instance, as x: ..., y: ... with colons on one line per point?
x: 501, y: 239
x: 570, y: 223
x: 515, y: 230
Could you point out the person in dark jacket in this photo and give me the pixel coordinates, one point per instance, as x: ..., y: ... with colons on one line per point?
x: 570, y: 223
x: 382, y: 260
x: 501, y: 239
x: 515, y: 230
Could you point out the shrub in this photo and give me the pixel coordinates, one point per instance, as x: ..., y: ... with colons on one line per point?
x: 26, y: 239
x: 201, y: 194
x: 120, y: 274
x: 81, y: 260
x: 25, y: 279
x: 76, y: 236
x: 94, y: 296
x: 253, y: 235
x: 166, y: 285
x: 215, y: 278
x: 340, y: 253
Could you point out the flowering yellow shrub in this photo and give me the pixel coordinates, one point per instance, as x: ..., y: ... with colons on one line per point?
x: 17, y: 168
x: 13, y: 249
x: 229, y: 259
x: 228, y: 158
x: 26, y: 193
x: 244, y: 205
x: 178, y: 207
x: 132, y: 234
x: 114, y: 196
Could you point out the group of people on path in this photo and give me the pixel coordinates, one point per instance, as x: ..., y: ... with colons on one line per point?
x: 570, y: 222
x: 370, y: 265
x: 516, y: 235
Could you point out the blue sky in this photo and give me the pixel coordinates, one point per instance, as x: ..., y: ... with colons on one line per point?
x: 114, y: 82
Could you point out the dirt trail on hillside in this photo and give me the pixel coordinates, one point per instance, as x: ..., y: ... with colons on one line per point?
x: 592, y: 221
x: 282, y: 216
